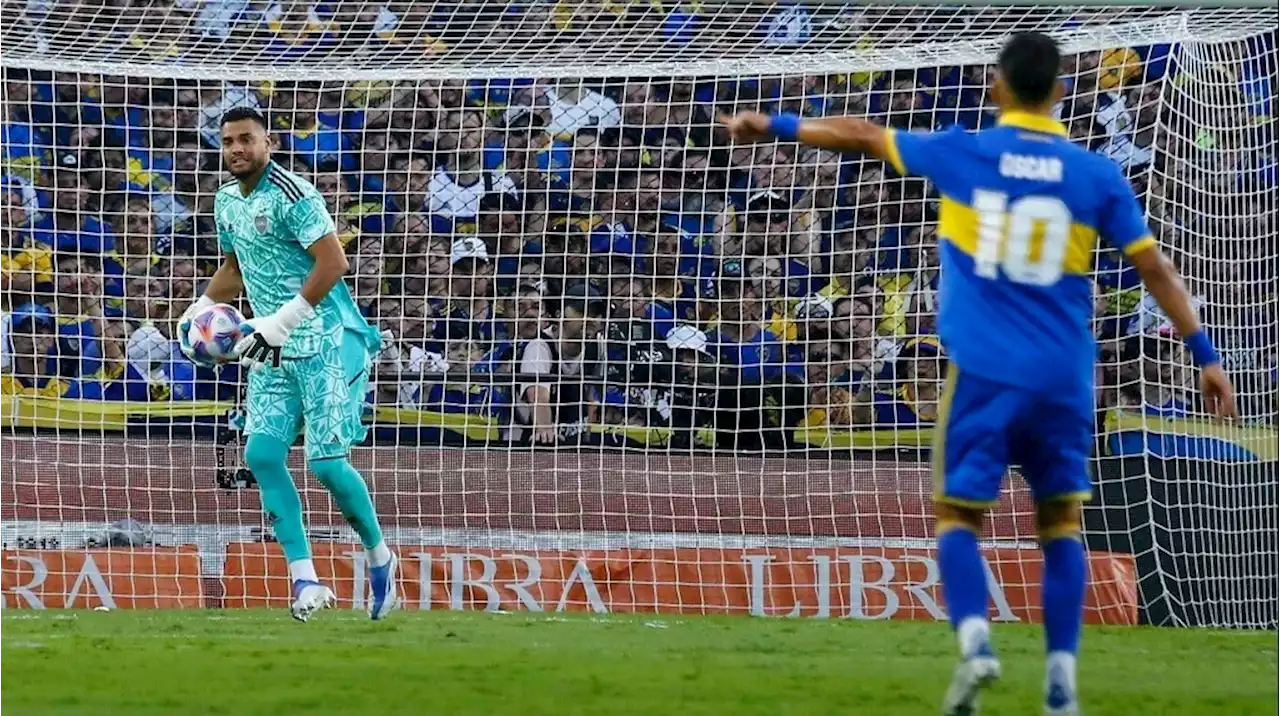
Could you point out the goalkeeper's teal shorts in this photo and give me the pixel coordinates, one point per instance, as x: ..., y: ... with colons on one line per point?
x: 323, y: 394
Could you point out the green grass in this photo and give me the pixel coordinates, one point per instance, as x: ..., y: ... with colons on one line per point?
x: 261, y: 662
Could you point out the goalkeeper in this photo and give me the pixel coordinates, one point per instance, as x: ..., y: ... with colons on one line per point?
x: 308, y: 351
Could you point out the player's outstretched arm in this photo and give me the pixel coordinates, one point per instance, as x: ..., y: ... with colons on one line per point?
x: 841, y: 134
x: 1164, y: 283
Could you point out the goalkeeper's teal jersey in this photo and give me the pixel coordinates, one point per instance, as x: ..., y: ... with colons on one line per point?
x: 270, y: 231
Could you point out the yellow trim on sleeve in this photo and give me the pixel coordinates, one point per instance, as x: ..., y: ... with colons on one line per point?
x: 894, y: 157
x: 1139, y: 245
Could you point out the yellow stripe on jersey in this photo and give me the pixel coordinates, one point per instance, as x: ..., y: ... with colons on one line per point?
x: 891, y: 148
x: 938, y: 450
x: 1138, y: 245
x: 958, y: 223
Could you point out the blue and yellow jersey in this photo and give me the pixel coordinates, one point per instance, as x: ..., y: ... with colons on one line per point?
x: 116, y: 381
x: 45, y: 385
x: 320, y: 147
x: 1021, y: 212
x: 114, y: 267
x: 757, y: 358
x: 455, y: 321
x: 897, y: 408
x: 368, y: 217
x: 469, y: 398
x: 155, y: 48
x: 126, y: 127
x: 79, y: 346
x: 319, y: 31
x: 148, y: 171
x: 24, y: 149
x: 672, y: 303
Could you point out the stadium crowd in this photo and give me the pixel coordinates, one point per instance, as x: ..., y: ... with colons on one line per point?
x: 552, y: 254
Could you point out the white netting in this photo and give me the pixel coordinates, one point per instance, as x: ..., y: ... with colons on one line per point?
x: 494, y: 168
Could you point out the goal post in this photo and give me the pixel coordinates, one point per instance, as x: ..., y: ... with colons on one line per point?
x: 628, y: 366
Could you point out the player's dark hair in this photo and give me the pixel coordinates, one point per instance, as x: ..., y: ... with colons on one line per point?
x: 1029, y: 64
x: 235, y: 114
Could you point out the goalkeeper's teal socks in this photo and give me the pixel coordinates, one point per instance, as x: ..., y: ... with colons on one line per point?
x: 265, y: 456
x: 964, y: 585
x: 352, y: 495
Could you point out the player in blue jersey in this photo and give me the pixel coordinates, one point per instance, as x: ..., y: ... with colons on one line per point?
x: 308, y: 349
x: 1021, y: 211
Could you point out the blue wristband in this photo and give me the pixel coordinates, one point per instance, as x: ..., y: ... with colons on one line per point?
x: 785, y: 126
x: 1202, y: 350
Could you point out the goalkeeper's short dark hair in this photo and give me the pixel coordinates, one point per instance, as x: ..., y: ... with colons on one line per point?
x: 235, y: 114
x: 1029, y: 64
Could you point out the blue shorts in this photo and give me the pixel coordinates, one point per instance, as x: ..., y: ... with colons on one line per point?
x: 984, y: 427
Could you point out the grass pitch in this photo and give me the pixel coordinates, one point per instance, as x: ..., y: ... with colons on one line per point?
x: 261, y: 662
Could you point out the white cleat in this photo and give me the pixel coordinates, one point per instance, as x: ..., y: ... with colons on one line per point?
x: 308, y: 597
x: 971, y: 676
x: 1060, y: 685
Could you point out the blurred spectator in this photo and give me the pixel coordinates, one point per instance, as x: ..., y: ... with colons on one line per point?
x: 560, y: 409
x: 748, y: 351
x: 572, y: 106
x: 26, y: 265
x: 31, y: 353
x: 461, y: 187
x: 914, y: 398
x: 321, y: 147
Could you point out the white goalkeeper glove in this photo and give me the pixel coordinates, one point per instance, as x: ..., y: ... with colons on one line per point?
x: 264, y: 337
x: 184, y: 326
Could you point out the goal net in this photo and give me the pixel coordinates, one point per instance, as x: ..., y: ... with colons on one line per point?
x: 628, y: 366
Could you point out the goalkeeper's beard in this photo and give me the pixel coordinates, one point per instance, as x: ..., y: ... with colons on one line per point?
x: 255, y: 168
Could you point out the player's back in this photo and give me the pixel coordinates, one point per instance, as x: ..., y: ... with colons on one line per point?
x: 1022, y: 209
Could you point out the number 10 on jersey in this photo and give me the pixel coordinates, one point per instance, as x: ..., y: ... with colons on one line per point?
x: 1026, y: 239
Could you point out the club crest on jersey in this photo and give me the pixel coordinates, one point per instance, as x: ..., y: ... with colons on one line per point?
x: 262, y: 223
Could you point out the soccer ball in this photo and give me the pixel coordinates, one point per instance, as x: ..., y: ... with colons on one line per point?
x: 214, y: 332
